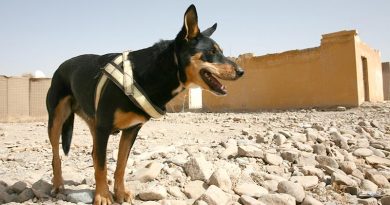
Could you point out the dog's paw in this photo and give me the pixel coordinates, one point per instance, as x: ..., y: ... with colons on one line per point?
x: 124, y: 196
x: 57, y: 189
x: 103, y: 198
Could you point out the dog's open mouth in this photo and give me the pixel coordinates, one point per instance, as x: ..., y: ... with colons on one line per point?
x: 212, y: 82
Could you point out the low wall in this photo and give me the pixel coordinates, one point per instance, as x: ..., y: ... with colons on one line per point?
x: 23, y: 99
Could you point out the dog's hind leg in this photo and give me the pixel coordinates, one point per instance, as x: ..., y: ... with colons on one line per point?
x: 57, y: 117
x: 126, y: 142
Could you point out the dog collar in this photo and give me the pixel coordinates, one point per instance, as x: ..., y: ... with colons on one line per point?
x: 121, y: 73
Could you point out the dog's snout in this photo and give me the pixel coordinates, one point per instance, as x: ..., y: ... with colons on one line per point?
x: 240, y: 72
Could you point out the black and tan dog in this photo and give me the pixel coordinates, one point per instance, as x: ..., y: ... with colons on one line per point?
x: 162, y: 71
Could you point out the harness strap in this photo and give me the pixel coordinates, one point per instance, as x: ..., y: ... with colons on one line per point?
x: 125, y: 81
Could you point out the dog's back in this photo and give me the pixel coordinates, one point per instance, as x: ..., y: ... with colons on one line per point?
x: 72, y: 89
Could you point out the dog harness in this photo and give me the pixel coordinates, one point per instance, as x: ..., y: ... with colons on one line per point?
x: 120, y: 72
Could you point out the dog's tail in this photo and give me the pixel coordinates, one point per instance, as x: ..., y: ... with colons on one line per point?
x: 67, y: 133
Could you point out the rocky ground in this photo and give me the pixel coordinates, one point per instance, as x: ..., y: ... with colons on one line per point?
x: 339, y: 156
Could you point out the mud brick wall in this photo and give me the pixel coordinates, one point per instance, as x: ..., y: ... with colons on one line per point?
x: 23, y: 99
x: 325, y: 76
x: 386, y: 80
x: 38, y: 91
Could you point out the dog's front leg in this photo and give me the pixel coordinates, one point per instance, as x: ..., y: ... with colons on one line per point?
x: 127, y: 140
x: 102, y: 192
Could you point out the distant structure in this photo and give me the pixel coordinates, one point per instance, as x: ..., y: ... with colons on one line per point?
x: 23, y: 98
x: 341, y: 71
x: 39, y: 74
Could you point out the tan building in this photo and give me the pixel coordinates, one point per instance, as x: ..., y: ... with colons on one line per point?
x: 386, y: 80
x: 341, y: 71
x: 23, y: 98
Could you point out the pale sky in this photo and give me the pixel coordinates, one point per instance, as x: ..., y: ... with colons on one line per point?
x: 41, y: 34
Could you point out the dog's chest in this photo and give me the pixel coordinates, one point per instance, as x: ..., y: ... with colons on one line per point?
x: 125, y: 120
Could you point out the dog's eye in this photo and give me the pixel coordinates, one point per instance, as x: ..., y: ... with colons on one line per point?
x: 213, y: 51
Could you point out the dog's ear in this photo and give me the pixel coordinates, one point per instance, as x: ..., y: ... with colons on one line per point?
x: 190, y: 28
x: 208, y: 32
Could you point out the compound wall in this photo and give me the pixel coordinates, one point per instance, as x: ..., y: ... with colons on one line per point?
x: 325, y: 76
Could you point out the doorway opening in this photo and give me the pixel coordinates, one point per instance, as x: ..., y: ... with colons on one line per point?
x: 195, y: 98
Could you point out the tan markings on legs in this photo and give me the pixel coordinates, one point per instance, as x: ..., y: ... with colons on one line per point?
x: 61, y: 113
x: 102, y: 192
x: 125, y: 144
x: 124, y: 120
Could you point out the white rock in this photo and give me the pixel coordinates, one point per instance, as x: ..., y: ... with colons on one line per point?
x: 279, y: 139
x: 148, y: 173
x: 273, y: 159
x: 307, y: 182
x: 230, y: 151
x: 176, y: 192
x: 150, y: 203
x: 327, y: 161
x: 363, y: 152
x: 194, y: 189
x: 290, y: 156
x: 221, y: 179
x: 199, y: 202
x: 378, y: 160
x: 173, y: 202
x: 247, y: 200
x: 378, y: 179
x: 198, y: 168
x: 153, y: 193
x: 303, y: 147
x: 267, y: 176
x: 313, y: 171
x: 277, y: 199
x: 367, y: 185
x: 319, y: 149
x: 250, y: 189
x: 270, y: 185
x: 156, y: 150
x: 287, y: 134
x: 309, y: 200
x: 232, y: 169
x: 299, y: 137
x: 294, y: 189
x: 84, y: 196
x: 347, y: 166
x: 343, y: 179
x: 215, y: 196
x: 249, y: 151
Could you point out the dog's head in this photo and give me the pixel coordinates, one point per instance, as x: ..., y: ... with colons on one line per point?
x: 201, y: 60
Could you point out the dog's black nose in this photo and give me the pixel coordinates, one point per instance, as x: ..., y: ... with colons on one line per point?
x: 239, y: 72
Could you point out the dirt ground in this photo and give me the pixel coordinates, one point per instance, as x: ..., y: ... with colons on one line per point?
x: 25, y: 152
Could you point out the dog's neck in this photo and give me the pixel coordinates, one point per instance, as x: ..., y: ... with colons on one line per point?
x: 156, y: 71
